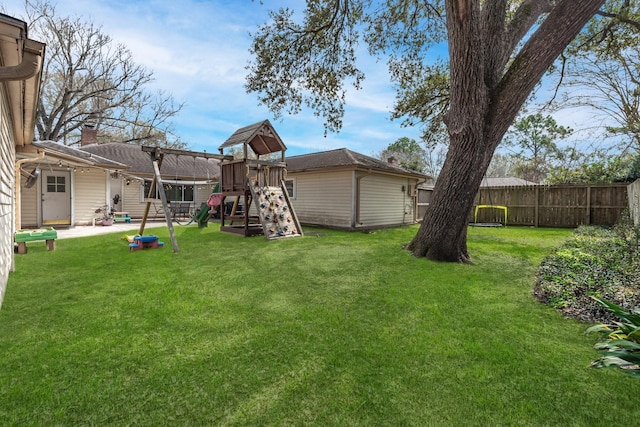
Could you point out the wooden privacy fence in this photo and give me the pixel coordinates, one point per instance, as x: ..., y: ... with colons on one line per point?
x: 554, y: 205
x: 634, y: 201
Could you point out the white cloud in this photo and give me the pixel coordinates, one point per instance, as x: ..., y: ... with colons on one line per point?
x: 197, y: 51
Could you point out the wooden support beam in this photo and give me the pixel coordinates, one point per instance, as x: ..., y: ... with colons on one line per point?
x: 157, y: 150
x: 157, y: 155
x: 151, y: 195
x: 165, y: 206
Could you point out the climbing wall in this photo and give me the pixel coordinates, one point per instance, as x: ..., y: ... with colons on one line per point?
x: 276, y: 213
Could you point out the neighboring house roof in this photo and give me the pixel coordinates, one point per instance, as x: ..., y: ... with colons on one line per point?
x: 344, y: 157
x: 77, y: 156
x: 184, y: 167
x: 261, y: 137
x: 505, y: 182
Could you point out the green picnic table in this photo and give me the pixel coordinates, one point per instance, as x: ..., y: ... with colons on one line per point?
x: 48, y: 234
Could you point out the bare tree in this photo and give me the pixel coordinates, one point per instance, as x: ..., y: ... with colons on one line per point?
x: 502, y: 166
x: 600, y: 71
x: 89, y: 78
x: 498, y: 51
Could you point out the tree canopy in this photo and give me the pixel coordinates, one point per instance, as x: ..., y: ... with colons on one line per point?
x: 533, y: 140
x: 409, y: 154
x: 497, y: 53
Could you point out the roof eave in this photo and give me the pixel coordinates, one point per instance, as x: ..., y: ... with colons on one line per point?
x: 22, y: 74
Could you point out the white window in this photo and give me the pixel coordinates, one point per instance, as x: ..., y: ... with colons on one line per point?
x: 175, y: 191
x: 290, y: 185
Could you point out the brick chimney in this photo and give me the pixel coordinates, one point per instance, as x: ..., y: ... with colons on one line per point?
x: 392, y: 160
x: 89, y: 135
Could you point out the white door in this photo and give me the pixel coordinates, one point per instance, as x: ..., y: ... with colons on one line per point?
x: 56, y: 197
x: 115, y: 193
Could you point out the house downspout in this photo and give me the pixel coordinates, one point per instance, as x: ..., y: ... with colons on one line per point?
x: 18, y: 193
x: 29, y: 67
x: 358, y: 184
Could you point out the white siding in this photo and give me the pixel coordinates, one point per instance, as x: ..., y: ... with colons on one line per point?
x: 384, y: 202
x: 29, y: 202
x: 325, y: 198
x: 90, y: 193
x: 202, y: 193
x: 133, y: 199
x: 7, y: 189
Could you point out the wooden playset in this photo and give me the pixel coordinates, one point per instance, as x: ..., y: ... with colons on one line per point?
x: 244, y: 181
x: 250, y: 179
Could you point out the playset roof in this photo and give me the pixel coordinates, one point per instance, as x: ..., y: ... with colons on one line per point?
x: 261, y: 137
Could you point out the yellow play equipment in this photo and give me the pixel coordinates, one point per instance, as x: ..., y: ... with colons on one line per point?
x: 504, y: 208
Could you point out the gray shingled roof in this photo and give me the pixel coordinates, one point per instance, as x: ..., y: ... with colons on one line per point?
x: 83, y: 156
x: 505, y: 182
x: 261, y: 137
x: 139, y: 162
x: 340, y: 158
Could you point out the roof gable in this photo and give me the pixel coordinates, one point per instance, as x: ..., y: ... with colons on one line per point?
x: 261, y: 137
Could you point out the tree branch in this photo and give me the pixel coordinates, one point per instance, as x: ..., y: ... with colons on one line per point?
x: 523, y: 20
x: 560, y: 27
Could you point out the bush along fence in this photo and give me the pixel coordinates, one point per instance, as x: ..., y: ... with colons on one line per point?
x: 564, y: 206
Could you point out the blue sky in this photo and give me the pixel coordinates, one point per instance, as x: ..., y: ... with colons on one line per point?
x: 197, y: 50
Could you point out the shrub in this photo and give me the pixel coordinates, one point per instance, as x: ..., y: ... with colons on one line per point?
x: 598, y: 262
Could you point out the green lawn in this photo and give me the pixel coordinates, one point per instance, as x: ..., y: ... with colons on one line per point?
x: 333, y: 328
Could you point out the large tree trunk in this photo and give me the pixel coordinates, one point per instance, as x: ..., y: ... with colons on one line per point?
x: 442, y: 236
x: 485, y: 100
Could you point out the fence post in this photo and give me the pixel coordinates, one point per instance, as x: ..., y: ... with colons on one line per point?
x: 634, y: 201
x: 536, y: 209
x: 588, y: 216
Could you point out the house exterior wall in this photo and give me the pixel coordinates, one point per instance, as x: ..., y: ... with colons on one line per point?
x: 202, y: 193
x: 324, y: 198
x: 88, y: 194
x: 7, y: 186
x: 29, y: 203
x: 384, y: 201
x: 133, y: 199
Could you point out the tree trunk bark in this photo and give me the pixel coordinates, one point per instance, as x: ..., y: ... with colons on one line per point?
x: 484, y: 101
x: 443, y: 234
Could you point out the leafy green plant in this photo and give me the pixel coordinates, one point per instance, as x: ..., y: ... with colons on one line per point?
x: 619, y: 347
x: 596, y: 261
